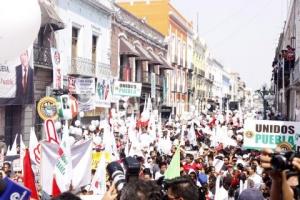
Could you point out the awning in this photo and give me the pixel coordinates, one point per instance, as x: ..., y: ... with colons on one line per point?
x: 166, y: 64
x: 144, y: 55
x: 155, y: 59
x: 127, y: 49
x: 50, y: 16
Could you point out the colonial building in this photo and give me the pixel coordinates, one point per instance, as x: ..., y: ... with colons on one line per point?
x: 85, y: 46
x: 18, y: 119
x: 199, y: 62
x: 139, y: 56
x: 161, y: 15
x: 286, y: 67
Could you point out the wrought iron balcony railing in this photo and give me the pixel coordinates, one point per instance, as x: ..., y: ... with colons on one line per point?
x: 82, y: 66
x: 42, y: 56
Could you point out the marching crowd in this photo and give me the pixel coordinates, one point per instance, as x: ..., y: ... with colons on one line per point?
x: 213, y: 163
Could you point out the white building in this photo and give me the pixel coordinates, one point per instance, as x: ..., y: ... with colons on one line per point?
x: 85, y: 41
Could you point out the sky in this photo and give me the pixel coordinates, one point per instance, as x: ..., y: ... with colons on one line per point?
x: 241, y: 34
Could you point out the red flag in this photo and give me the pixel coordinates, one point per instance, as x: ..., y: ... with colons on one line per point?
x: 55, y: 189
x: 29, y: 176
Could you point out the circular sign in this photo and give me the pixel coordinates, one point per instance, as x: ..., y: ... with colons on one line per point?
x: 249, y: 134
x: 285, y: 146
x: 47, y: 108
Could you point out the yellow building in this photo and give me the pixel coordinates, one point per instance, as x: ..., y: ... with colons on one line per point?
x: 199, y: 62
x: 163, y: 17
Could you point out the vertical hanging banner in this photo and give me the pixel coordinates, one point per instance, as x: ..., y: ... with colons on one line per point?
x: 153, y: 85
x: 71, y: 84
x: 259, y: 134
x: 16, y: 80
x: 103, y: 94
x: 165, y: 90
x: 57, y: 70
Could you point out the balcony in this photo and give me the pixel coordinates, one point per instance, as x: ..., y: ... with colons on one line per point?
x: 103, y: 69
x: 83, y: 67
x: 42, y: 56
x: 295, y: 75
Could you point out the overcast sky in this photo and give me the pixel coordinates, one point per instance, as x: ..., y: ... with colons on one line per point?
x: 241, y: 34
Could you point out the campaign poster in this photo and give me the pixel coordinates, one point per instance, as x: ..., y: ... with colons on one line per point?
x: 259, y: 134
x: 103, y: 94
x: 16, y: 80
x: 81, y: 86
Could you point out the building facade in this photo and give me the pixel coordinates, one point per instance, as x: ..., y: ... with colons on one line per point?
x: 286, y: 72
x: 162, y: 16
x: 139, y: 56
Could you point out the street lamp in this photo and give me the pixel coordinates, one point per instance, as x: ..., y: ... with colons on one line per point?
x: 264, y: 94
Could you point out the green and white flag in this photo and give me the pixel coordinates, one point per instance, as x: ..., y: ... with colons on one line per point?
x: 173, y: 169
x: 63, y: 166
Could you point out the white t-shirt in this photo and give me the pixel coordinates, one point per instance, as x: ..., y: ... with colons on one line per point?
x: 257, y: 180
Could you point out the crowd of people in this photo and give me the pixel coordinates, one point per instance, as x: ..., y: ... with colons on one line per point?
x: 213, y: 163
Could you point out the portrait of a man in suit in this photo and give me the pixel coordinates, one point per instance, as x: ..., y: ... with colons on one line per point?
x: 24, y: 81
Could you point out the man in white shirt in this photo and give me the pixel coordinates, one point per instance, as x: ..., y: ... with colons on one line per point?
x: 254, y: 176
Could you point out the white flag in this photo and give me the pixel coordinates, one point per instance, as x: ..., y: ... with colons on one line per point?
x: 63, y: 166
x: 98, y: 184
x: 13, y: 150
x: 81, y: 163
x: 34, y: 148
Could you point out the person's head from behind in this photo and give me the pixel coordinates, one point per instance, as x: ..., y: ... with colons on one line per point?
x: 182, y: 188
x: 24, y: 59
x: 141, y: 190
x: 66, y: 196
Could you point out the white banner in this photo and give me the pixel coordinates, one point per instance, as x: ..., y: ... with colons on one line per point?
x: 86, y: 102
x: 81, y: 163
x: 259, y: 134
x: 57, y: 71
x: 84, y: 86
x: 153, y: 85
x: 129, y: 89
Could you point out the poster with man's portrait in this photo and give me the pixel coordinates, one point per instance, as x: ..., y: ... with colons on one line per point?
x: 16, y: 80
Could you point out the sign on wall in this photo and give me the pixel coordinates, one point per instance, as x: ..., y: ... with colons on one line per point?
x: 16, y: 80
x: 47, y: 108
x: 82, y: 86
x: 129, y: 89
x: 259, y: 134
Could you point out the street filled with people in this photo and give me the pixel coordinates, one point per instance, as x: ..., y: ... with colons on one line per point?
x: 194, y: 156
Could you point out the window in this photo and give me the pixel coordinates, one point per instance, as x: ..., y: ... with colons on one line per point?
x: 94, y: 48
x: 75, y: 32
